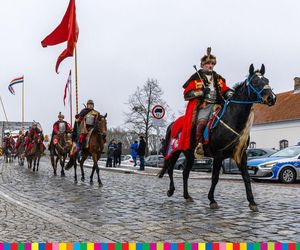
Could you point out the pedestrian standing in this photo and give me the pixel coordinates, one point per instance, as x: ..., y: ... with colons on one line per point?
x: 134, y: 146
x: 115, y: 152
x: 141, y: 152
x: 118, y: 153
x: 110, y: 153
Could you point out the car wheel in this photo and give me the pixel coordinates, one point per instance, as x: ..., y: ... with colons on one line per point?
x: 287, y: 175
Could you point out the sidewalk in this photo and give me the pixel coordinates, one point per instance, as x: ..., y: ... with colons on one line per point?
x: 129, y: 169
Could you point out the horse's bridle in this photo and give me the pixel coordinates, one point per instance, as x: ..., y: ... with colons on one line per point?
x: 250, y: 87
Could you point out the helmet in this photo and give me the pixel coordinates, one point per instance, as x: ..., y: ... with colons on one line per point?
x: 208, y: 57
x: 90, y: 102
x: 60, y: 115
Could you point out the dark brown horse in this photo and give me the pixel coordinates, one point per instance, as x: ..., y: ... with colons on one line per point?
x: 35, y: 153
x: 20, y: 152
x: 229, y: 136
x: 8, y: 151
x: 60, y: 151
x: 94, y: 149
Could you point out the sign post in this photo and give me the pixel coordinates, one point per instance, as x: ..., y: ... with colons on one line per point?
x: 158, y: 113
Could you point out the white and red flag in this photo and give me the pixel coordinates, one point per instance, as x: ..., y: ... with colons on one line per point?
x: 68, y: 87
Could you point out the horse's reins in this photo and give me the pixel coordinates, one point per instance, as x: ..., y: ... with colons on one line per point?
x: 227, y: 102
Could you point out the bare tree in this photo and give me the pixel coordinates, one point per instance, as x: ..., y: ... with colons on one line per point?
x: 140, y: 103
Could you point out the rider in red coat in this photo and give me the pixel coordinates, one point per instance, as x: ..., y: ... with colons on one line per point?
x: 20, y: 139
x: 59, y: 127
x: 203, y: 90
x: 34, y: 132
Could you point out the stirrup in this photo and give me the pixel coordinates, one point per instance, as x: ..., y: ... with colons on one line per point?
x: 199, y: 152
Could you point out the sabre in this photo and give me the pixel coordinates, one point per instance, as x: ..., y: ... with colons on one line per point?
x: 195, y: 67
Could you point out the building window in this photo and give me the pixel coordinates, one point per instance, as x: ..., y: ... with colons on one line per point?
x: 283, y: 144
x: 252, y: 144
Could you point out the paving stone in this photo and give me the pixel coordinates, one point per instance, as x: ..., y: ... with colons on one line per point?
x: 41, y: 207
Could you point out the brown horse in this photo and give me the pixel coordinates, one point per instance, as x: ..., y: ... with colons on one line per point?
x: 35, y: 153
x: 94, y: 149
x: 60, y: 151
x: 8, y: 151
x: 20, y: 152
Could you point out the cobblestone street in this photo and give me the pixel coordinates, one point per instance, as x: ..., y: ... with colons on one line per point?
x: 134, y: 207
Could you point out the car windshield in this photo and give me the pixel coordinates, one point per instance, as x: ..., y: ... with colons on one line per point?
x: 287, y: 152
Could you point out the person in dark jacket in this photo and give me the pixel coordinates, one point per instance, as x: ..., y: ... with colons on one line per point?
x: 110, y: 153
x: 117, y: 154
x: 141, y: 152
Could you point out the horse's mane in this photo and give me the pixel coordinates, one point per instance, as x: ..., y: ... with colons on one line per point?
x: 236, y: 87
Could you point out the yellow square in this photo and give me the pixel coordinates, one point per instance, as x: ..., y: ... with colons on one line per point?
x: 198, y: 84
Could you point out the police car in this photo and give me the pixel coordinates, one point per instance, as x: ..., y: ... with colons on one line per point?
x: 283, y: 165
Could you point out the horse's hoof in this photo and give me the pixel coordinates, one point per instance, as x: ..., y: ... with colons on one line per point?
x: 100, y: 184
x: 55, y: 174
x: 253, y: 207
x: 170, y: 193
x: 62, y: 174
x: 82, y: 179
x: 91, y: 183
x: 189, y: 199
x: 214, y: 205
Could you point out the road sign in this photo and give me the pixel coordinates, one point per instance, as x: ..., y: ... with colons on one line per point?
x: 158, y: 122
x: 158, y: 112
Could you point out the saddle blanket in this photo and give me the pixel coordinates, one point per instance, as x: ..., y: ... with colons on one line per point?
x: 174, y: 142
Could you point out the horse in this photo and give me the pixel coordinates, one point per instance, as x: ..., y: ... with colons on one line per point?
x: 229, y: 135
x: 61, y: 150
x: 8, y: 151
x: 20, y: 152
x: 95, y: 149
x: 35, y: 153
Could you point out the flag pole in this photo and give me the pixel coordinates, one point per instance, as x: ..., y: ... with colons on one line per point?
x: 71, y: 101
x: 76, y: 79
x: 23, y: 104
x: 3, y: 109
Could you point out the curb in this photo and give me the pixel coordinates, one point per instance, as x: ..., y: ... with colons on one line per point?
x: 177, y: 173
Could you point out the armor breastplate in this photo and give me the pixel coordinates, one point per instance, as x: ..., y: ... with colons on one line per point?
x: 90, y: 119
x: 61, y: 127
x: 211, y: 97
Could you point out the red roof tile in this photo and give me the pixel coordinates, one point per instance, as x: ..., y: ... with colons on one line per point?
x: 287, y: 107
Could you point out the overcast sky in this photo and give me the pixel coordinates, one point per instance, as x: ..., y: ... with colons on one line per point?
x: 122, y: 43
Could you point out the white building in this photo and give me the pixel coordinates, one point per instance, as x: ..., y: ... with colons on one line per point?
x: 278, y: 126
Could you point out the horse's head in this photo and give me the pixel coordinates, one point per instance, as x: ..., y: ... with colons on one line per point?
x: 258, y: 87
x: 102, y: 125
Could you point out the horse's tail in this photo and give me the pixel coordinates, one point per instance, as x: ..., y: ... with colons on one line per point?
x: 165, y: 150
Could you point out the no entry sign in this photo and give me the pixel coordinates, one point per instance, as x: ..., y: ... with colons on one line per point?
x: 158, y: 112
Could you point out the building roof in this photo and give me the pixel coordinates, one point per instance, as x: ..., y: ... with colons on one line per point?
x: 287, y: 108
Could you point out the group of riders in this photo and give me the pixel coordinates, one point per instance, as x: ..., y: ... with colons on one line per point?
x: 27, y: 139
x: 85, y: 121
x: 203, y: 90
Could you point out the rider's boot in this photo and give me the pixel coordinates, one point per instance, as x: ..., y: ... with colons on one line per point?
x: 199, y: 152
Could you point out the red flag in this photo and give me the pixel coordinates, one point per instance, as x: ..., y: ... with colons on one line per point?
x: 67, y: 30
x: 69, y: 82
